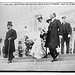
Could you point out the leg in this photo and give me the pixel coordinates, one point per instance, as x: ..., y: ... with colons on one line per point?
x: 52, y: 52
x: 62, y: 45
x: 74, y: 47
x: 11, y: 56
x: 67, y: 45
x: 27, y: 50
x: 55, y: 52
x: 46, y: 52
x: 5, y: 54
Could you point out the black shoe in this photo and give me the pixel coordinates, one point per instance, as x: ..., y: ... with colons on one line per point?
x: 45, y: 56
x: 13, y: 57
x: 10, y: 61
x: 5, y: 56
x: 53, y: 60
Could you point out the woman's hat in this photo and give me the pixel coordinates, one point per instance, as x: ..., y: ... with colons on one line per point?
x: 64, y: 17
x: 39, y: 16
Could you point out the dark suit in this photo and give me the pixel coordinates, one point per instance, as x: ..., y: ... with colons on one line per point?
x: 66, y: 28
x: 10, y: 34
x: 52, y: 40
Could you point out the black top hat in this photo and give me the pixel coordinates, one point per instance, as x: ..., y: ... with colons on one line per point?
x: 64, y: 17
x: 48, y: 20
x: 9, y: 23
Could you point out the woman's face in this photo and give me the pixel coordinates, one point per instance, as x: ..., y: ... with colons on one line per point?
x: 40, y: 19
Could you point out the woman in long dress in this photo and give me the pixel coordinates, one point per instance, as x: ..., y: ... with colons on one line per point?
x: 38, y: 50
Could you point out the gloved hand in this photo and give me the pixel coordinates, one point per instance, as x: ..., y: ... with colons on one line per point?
x: 60, y: 36
x: 69, y: 35
x: 9, y: 38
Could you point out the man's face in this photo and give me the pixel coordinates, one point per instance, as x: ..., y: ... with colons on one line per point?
x: 63, y: 20
x: 40, y: 19
x: 8, y: 27
x: 51, y: 16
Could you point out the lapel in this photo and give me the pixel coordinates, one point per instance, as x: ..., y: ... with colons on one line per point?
x: 52, y: 23
x: 9, y: 31
x: 64, y: 25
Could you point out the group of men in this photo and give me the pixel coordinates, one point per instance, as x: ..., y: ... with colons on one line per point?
x: 56, y: 31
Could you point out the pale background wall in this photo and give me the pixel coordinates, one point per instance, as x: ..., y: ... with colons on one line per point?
x: 24, y: 15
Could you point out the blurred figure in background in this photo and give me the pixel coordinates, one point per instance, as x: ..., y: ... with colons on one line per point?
x: 73, y: 41
x: 67, y: 31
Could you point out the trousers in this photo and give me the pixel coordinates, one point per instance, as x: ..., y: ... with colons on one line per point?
x: 53, y: 52
x: 67, y: 45
x: 10, y: 55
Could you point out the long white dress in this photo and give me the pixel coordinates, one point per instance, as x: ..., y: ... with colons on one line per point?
x: 37, y: 50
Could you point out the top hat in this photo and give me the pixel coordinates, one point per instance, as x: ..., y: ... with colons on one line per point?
x: 64, y: 17
x: 9, y: 23
x: 48, y: 20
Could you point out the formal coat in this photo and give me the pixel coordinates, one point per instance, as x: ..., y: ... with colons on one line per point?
x: 10, y: 34
x: 54, y: 30
x: 66, y: 29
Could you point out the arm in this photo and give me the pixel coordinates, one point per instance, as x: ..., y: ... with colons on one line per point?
x: 14, y: 35
x: 70, y: 29
x: 59, y: 27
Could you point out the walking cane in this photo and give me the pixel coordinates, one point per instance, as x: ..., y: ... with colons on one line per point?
x: 46, y: 52
x: 8, y: 50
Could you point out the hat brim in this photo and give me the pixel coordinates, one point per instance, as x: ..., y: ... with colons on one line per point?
x: 64, y: 17
x: 48, y: 20
x: 9, y: 25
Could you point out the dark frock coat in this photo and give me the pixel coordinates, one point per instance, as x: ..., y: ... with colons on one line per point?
x: 13, y: 35
x: 66, y: 29
x: 54, y: 30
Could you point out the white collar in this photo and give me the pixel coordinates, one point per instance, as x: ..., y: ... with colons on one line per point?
x: 53, y: 19
x: 64, y: 23
x: 9, y: 29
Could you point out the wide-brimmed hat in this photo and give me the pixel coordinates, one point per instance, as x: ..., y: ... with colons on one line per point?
x: 64, y: 17
x: 38, y: 16
x: 9, y: 23
x: 48, y: 20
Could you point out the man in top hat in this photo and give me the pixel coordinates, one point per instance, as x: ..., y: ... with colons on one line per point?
x: 67, y: 31
x: 11, y: 35
x: 53, y: 40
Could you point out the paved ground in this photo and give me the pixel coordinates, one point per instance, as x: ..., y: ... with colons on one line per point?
x: 64, y: 63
